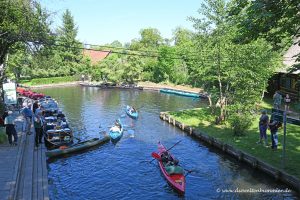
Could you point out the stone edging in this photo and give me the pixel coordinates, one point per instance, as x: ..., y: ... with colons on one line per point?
x: 240, y: 155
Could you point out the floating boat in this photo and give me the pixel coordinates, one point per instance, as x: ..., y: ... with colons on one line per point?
x: 175, y: 180
x: 130, y: 113
x: 116, y: 132
x: 55, y: 138
x: 77, y: 147
x: 181, y: 93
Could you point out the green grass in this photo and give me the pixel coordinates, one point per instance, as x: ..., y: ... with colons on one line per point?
x: 52, y: 80
x: 3, y: 137
x: 202, y: 120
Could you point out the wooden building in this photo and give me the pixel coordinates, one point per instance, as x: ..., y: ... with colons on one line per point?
x: 287, y: 83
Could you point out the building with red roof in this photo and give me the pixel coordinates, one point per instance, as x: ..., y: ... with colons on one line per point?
x: 95, y: 55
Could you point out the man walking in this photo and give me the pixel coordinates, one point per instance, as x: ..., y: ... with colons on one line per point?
x: 263, y: 126
x: 277, y: 100
x: 27, y: 113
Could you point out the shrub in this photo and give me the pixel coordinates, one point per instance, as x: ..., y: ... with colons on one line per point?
x: 51, y: 80
x: 240, y: 123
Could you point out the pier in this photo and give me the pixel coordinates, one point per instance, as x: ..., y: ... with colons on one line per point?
x: 23, y: 172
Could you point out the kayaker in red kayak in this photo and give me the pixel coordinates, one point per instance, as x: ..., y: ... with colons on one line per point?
x: 168, y: 160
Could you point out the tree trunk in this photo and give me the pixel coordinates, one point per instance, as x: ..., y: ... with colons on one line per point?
x: 212, y: 107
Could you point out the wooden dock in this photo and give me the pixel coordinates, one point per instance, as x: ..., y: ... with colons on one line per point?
x: 27, y: 173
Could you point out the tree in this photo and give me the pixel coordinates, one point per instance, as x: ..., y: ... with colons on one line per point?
x: 277, y: 21
x: 150, y: 38
x: 163, y: 71
x: 184, y: 41
x: 70, y: 49
x: 21, y: 21
x: 234, y: 74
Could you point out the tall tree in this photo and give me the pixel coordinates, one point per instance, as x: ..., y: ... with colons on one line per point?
x: 150, y: 38
x: 234, y: 74
x: 277, y: 21
x: 21, y: 21
x: 70, y: 49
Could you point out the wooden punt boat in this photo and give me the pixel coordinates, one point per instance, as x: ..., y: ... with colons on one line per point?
x: 63, y: 150
x: 55, y: 138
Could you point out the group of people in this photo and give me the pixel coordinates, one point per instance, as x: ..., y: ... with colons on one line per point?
x: 272, y: 125
x: 278, y: 99
x: 35, y: 113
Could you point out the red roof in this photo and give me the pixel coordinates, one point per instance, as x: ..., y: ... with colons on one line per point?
x: 95, y: 56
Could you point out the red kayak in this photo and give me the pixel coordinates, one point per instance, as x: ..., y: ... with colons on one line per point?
x: 177, y: 181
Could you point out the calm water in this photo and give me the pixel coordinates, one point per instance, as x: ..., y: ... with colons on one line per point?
x: 119, y: 171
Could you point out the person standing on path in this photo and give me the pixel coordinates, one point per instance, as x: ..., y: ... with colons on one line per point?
x: 38, y: 126
x: 35, y: 106
x: 9, y: 123
x: 277, y: 100
x: 263, y: 126
x: 273, y: 126
x: 27, y: 113
x: 287, y: 102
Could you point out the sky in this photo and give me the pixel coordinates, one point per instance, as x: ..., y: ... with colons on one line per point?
x: 103, y: 21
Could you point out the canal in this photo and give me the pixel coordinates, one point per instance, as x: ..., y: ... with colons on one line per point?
x: 120, y: 171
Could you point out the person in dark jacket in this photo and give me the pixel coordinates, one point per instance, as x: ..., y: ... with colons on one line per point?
x: 38, y: 126
x: 263, y: 126
x: 273, y: 126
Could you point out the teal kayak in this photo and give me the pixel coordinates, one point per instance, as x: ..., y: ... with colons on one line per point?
x: 130, y: 113
x: 181, y: 93
x: 116, y: 132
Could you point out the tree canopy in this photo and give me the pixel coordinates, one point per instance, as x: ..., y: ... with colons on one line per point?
x: 234, y: 49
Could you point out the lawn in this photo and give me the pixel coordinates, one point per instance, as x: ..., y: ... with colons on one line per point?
x: 3, y: 137
x: 201, y: 119
x: 52, y: 80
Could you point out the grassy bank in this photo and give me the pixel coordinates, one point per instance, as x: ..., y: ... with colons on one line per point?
x: 3, y: 137
x: 46, y: 81
x: 202, y: 120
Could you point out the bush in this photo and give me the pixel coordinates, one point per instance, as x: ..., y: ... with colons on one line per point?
x: 240, y: 123
x: 51, y: 80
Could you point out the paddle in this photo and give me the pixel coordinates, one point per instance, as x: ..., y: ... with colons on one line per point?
x: 140, y: 107
x: 155, y: 155
x: 130, y: 131
x: 166, y: 150
x: 77, y: 138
